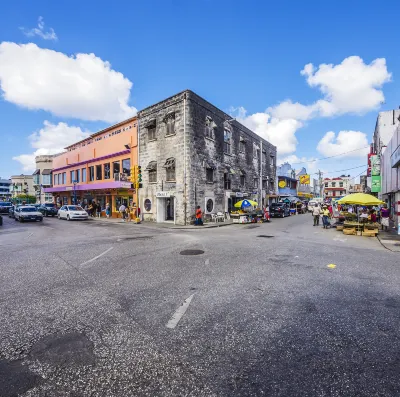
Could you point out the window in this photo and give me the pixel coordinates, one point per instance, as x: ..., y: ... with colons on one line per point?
x: 209, y: 205
x: 107, y: 171
x: 209, y: 128
x: 72, y: 176
x: 256, y: 152
x: 333, y: 184
x: 55, y: 179
x: 151, y: 131
x: 340, y: 184
x: 147, y: 205
x: 227, y: 181
x: 170, y: 167
x: 46, y: 179
x: 264, y: 156
x: 64, y: 178
x: 116, y: 168
x: 99, y: 172
x: 126, y: 166
x: 242, y: 145
x: 152, y: 168
x: 264, y: 184
x: 209, y: 175
x: 170, y: 123
x: 83, y: 174
x: 91, y: 173
x: 227, y: 141
x: 272, y: 161
x: 255, y: 183
x: 78, y: 175
x: 326, y: 184
x: 242, y: 180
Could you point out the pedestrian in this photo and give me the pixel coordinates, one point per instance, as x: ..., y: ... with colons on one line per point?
x: 108, y: 210
x: 372, y: 216
x: 127, y: 213
x: 385, y: 213
x: 325, y: 217
x: 98, y: 210
x: 94, y: 208
x: 121, y: 210
x: 90, y: 209
x: 266, y: 214
x: 199, y: 221
x: 316, y: 212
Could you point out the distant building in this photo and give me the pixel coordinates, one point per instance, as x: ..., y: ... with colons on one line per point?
x: 303, y: 190
x: 22, y: 184
x: 42, y: 178
x: 386, y: 124
x: 363, y: 183
x: 5, y: 192
x: 336, y: 187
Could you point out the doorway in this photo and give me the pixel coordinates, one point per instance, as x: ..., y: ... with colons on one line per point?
x: 165, y: 209
x: 169, y: 209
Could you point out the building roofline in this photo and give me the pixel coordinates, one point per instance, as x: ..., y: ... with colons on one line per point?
x: 102, y: 131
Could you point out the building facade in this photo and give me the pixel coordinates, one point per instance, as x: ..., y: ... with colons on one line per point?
x: 385, y: 126
x: 5, y: 189
x: 98, y: 169
x: 335, y: 188
x: 42, y: 178
x: 194, y: 154
x: 22, y: 184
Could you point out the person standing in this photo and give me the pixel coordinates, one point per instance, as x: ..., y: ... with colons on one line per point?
x: 325, y: 217
x: 385, y: 213
x: 316, y: 212
x: 199, y: 221
x: 128, y: 213
x: 108, y: 210
x: 98, y: 210
x: 121, y: 210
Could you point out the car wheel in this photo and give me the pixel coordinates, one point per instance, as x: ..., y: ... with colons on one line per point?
x: 41, y: 220
x: 15, y: 219
x: 46, y: 214
x: 68, y: 218
x: 21, y: 220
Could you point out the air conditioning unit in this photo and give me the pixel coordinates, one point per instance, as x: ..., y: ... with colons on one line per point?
x: 209, y: 205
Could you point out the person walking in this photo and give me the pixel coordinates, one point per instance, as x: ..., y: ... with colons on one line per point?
x: 98, y: 211
x: 108, y: 210
x: 385, y: 214
x: 316, y: 212
x: 199, y: 221
x: 325, y: 217
x: 128, y: 213
x: 121, y: 210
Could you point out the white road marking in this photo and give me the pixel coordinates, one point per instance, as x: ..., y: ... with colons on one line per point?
x: 49, y: 227
x: 96, y: 257
x: 340, y: 239
x: 207, y: 262
x: 173, y: 322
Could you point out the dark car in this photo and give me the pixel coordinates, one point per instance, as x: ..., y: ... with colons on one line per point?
x: 48, y: 209
x: 5, y: 207
x: 1, y: 220
x: 279, y: 210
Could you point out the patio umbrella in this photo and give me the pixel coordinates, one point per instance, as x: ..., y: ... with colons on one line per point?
x: 245, y: 203
x: 360, y: 199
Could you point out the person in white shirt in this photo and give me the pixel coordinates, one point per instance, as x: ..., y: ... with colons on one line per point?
x: 122, y: 209
x: 316, y: 212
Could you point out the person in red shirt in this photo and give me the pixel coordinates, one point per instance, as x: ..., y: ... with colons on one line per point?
x: 199, y: 221
x: 373, y: 216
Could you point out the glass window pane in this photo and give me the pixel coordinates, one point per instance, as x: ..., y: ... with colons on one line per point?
x: 126, y: 166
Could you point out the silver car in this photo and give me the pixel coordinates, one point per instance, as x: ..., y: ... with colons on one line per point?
x: 27, y: 213
x: 70, y: 212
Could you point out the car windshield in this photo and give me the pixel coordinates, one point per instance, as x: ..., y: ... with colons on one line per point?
x: 49, y: 205
x: 28, y: 209
x: 276, y: 204
x: 5, y: 204
x: 74, y: 208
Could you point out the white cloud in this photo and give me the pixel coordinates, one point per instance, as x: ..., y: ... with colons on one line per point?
x: 81, y: 86
x: 345, y: 141
x: 50, y: 139
x: 39, y: 31
x: 349, y: 87
x: 280, y: 133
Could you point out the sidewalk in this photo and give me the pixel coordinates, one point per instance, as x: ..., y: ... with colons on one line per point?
x: 390, y: 239
x: 166, y: 225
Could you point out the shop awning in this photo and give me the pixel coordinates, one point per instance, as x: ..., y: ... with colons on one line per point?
x: 37, y: 172
x: 152, y: 166
x: 46, y: 172
x: 169, y: 163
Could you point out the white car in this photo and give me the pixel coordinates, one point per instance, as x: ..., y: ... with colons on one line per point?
x: 27, y: 213
x: 70, y: 212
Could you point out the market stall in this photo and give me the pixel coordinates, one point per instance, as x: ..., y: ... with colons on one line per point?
x: 247, y: 212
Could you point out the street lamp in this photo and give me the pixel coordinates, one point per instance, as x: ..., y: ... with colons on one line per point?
x: 74, y: 182
x: 40, y: 193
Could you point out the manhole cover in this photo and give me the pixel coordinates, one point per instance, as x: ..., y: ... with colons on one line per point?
x: 251, y: 227
x: 192, y: 252
x: 265, y: 236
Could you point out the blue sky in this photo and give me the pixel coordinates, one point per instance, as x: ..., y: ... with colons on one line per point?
x: 238, y: 55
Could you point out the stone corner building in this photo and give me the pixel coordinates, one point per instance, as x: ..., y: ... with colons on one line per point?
x: 193, y: 153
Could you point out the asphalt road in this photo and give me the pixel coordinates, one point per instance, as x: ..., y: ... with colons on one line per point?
x: 99, y: 309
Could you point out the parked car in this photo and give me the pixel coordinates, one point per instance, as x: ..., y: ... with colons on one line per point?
x: 27, y: 213
x: 5, y: 207
x: 1, y: 220
x: 48, y: 209
x: 11, y: 212
x: 279, y: 210
x: 70, y: 212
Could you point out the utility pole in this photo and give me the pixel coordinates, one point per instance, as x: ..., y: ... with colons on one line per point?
x: 320, y: 183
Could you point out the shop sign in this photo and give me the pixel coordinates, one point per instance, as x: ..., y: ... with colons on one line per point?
x: 239, y: 194
x: 375, y: 165
x: 126, y: 185
x: 69, y: 188
x: 164, y: 194
x: 282, y: 184
x: 304, y: 179
x: 375, y: 184
x: 395, y: 159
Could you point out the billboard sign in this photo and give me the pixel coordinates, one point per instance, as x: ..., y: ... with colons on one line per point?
x: 375, y: 165
x: 375, y: 184
x: 304, y: 179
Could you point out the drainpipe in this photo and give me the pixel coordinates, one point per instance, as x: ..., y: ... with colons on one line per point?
x: 184, y: 158
x: 261, y: 172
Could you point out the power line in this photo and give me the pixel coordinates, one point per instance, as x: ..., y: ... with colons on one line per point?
x: 336, y: 155
x: 347, y: 169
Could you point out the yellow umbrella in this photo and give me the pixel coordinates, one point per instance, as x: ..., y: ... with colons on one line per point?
x: 245, y: 203
x: 360, y: 199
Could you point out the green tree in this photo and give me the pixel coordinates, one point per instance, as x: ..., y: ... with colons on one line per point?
x: 29, y: 199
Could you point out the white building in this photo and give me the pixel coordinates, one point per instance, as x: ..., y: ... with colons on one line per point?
x: 22, y: 184
x: 336, y: 187
x: 42, y: 178
x: 386, y: 124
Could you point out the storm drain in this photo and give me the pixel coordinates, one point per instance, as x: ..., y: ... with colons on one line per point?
x: 265, y: 236
x: 192, y: 252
